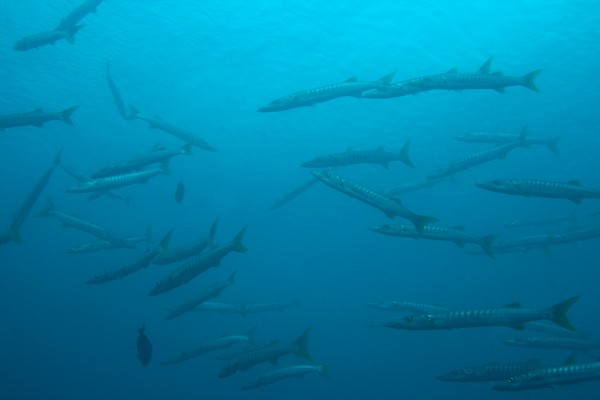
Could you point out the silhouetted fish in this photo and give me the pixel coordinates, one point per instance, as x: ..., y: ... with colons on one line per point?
x: 144, y: 347
x: 179, y: 193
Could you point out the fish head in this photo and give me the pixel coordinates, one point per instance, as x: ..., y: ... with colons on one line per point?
x: 497, y: 184
x: 458, y: 375
x: 413, y: 322
x: 282, y: 103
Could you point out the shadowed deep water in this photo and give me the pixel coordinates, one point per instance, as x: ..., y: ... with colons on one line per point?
x: 207, y: 66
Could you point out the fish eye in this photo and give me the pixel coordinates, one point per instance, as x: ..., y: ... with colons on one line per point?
x: 510, y: 380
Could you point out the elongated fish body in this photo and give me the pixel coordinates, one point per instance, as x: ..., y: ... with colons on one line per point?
x: 141, y: 161
x: 554, y: 342
x: 413, y: 186
x: 491, y: 372
x: 571, y: 190
x: 116, y: 181
x: 220, y: 307
x: 526, y: 243
x: 197, y: 265
x: 13, y: 232
x: 474, y: 159
x: 129, y: 268
x: 206, y: 294
x: 72, y: 221
x: 220, y: 343
x: 270, y: 353
x: 512, y: 316
x: 292, y: 194
x: 101, y: 245
x: 390, y: 206
x: 578, y: 234
x: 72, y: 18
x: 47, y: 37
x: 272, y: 306
x: 144, y: 347
x: 187, y: 250
x: 351, y: 157
x: 552, y: 220
x: 116, y: 95
x: 552, y: 376
x: 407, y: 306
x: 505, y: 138
x: 404, y: 88
x: 280, y: 374
x: 350, y: 87
x: 80, y: 178
x: 124, y: 270
x: 36, y: 118
x: 174, y: 130
x: 456, y: 235
x: 482, y: 79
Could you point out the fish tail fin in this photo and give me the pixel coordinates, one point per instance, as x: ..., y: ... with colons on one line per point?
x: 552, y: 144
x: 237, y: 241
x: 212, y: 233
x: 65, y: 115
x: 71, y: 34
x: 324, y: 371
x: 387, y: 79
x: 141, y: 330
x: 187, y: 149
x: 404, y: 157
x: 559, y: 313
x: 133, y: 113
x: 231, y: 279
x: 529, y: 80
x: 48, y: 209
x: 163, y: 246
x: 302, y: 345
x: 419, y: 221
x: 487, y: 244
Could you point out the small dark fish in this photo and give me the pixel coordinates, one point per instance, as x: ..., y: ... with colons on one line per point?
x: 144, y: 347
x: 179, y: 193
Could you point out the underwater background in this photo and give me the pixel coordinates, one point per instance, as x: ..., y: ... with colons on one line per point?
x: 207, y: 66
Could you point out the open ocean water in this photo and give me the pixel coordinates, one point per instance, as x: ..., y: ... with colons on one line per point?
x: 207, y: 66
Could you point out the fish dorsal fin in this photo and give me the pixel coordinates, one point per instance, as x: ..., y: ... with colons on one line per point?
x: 351, y: 79
x: 452, y: 71
x: 485, y: 68
x: 513, y: 305
x: 574, y: 182
x: 459, y: 228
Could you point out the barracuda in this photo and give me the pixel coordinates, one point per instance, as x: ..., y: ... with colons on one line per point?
x: 47, y: 37
x: 552, y: 342
x: 505, y: 138
x: 404, y: 88
x: 553, y: 376
x: 168, y: 127
x: 117, y: 181
x: 478, y: 158
x: 187, y: 250
x: 292, y: 194
x: 270, y: 353
x: 455, y: 235
x: 223, y: 342
x: 140, y: 161
x: 37, y: 118
x: 116, y: 95
x: 571, y: 190
x: 206, y: 294
x: 351, y: 157
x: 197, y: 265
x: 404, y: 306
x: 482, y: 79
x: 14, y: 230
x: 390, y: 206
x: 494, y: 371
x: 71, y: 221
x: 350, y: 87
x: 93, y: 247
x: 512, y: 316
x: 295, y: 371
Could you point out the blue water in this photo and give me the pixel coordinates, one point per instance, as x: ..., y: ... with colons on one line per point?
x: 207, y: 66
